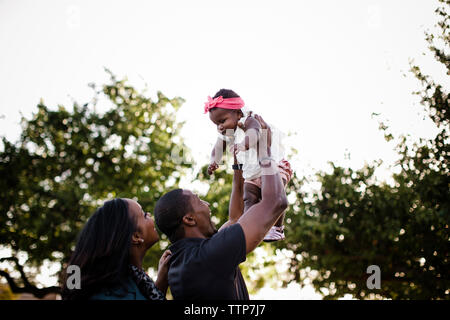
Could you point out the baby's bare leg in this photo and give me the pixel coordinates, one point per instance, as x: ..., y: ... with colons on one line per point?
x: 252, y: 195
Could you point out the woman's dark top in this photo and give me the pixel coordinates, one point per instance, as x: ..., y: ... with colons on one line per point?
x: 139, y: 286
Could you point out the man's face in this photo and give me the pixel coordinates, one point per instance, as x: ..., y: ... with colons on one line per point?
x: 202, y: 214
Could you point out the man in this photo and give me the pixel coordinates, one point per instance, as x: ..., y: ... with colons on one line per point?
x: 204, y: 262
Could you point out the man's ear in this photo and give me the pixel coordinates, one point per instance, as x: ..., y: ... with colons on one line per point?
x: 189, y: 220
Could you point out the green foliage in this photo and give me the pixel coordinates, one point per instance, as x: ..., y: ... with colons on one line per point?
x: 67, y: 163
x: 354, y: 221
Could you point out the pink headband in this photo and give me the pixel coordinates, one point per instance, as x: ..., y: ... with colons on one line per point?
x: 220, y: 102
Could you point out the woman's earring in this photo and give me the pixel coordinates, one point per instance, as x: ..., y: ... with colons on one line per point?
x: 141, y: 240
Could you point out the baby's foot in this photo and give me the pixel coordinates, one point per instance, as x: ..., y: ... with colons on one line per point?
x: 275, y: 234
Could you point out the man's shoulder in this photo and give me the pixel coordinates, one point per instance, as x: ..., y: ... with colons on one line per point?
x: 233, y: 233
x: 185, y: 243
x: 232, y: 228
x: 230, y: 236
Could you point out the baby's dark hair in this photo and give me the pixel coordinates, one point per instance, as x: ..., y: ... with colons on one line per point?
x: 226, y: 93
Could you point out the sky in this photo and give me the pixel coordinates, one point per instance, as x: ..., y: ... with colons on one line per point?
x: 315, y: 69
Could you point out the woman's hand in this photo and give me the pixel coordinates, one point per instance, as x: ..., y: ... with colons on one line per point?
x: 164, y: 261
x: 162, y: 281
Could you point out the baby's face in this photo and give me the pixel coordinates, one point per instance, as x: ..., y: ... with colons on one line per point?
x: 224, y: 119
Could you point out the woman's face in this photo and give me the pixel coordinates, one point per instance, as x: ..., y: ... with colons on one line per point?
x: 145, y: 223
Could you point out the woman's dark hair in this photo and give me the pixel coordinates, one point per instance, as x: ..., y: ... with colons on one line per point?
x: 102, y: 251
x: 169, y: 212
x: 226, y: 93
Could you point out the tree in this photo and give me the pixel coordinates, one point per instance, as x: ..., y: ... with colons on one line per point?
x: 355, y: 221
x: 66, y: 163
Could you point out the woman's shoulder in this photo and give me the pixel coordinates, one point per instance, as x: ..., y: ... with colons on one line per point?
x: 120, y: 293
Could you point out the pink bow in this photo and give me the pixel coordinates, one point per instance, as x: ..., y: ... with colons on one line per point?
x: 220, y: 102
x: 212, y: 103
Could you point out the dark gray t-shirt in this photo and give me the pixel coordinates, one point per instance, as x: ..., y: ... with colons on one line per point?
x: 207, y: 269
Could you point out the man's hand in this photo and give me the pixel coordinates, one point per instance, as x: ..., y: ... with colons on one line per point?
x: 265, y: 131
x: 212, y: 167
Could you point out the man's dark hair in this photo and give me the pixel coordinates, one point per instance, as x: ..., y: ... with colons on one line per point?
x: 169, y: 212
x: 226, y: 93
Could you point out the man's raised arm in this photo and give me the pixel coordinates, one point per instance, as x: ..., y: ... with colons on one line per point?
x: 257, y: 221
x: 236, y: 207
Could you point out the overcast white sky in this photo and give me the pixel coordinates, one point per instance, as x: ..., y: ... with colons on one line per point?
x: 315, y: 68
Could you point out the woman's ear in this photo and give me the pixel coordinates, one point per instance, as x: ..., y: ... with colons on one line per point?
x: 189, y: 220
x: 136, y: 238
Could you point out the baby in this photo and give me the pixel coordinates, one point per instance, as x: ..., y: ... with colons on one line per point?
x: 241, y: 131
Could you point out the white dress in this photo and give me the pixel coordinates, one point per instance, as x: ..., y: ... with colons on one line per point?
x: 249, y: 158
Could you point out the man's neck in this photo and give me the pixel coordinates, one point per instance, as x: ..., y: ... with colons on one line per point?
x: 194, y: 233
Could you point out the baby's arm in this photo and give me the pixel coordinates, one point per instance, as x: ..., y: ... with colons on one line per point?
x: 216, y: 155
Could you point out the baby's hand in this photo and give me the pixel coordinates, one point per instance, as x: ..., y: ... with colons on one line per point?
x: 236, y: 148
x: 212, y: 167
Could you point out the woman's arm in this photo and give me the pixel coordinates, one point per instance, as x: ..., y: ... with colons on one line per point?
x: 162, y: 280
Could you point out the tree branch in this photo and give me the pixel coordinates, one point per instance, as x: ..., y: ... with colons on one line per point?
x: 28, y: 287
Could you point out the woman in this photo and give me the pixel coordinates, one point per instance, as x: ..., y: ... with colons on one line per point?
x: 110, y: 251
